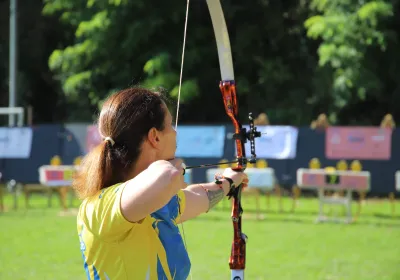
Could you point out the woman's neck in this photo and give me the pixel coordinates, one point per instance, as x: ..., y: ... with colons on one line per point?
x: 144, y: 160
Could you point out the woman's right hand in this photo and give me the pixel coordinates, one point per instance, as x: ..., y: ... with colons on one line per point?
x: 174, y: 169
x: 178, y: 179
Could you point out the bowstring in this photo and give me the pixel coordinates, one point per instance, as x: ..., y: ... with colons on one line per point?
x: 183, y: 58
x: 177, y: 110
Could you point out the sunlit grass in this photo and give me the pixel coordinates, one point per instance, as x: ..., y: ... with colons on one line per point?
x: 39, y: 243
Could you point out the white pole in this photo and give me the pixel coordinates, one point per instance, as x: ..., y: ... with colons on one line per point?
x: 13, y: 60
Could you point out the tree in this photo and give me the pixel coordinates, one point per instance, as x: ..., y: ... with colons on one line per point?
x: 119, y: 41
x: 347, y: 30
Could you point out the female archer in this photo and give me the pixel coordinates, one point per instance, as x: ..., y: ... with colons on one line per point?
x: 134, y: 193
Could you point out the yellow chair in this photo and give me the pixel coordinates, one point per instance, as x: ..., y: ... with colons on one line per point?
x: 261, y: 163
x: 249, y: 165
x: 342, y: 165
x: 356, y: 166
x: 314, y: 163
x: 77, y: 161
x: 55, y: 161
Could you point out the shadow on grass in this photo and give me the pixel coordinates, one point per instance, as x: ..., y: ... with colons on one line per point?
x: 377, y: 224
x: 290, y: 218
x: 387, y: 216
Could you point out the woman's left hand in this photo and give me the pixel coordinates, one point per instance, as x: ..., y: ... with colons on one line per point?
x: 237, y: 177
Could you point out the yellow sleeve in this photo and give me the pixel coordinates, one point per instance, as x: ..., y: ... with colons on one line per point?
x: 182, y: 204
x: 103, y: 213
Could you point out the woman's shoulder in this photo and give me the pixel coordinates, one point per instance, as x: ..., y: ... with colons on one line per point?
x: 103, y: 199
x: 102, y: 212
x: 111, y: 192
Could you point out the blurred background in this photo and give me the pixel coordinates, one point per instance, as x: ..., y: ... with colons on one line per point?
x: 321, y: 78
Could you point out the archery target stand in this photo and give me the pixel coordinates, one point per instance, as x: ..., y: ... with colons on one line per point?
x: 59, y: 177
x: 321, y: 180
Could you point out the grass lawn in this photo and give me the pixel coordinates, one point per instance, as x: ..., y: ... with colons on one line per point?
x: 40, y: 244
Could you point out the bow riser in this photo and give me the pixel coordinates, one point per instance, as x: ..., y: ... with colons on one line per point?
x: 237, y: 260
x: 228, y: 90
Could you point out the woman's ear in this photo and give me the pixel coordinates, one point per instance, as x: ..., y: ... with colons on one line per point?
x: 153, y: 137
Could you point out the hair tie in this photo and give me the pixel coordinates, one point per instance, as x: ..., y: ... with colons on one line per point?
x: 109, y: 139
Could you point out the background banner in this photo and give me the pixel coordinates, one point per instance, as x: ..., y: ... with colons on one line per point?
x: 201, y: 141
x: 192, y: 141
x: 276, y: 142
x: 367, y: 143
x: 15, y: 142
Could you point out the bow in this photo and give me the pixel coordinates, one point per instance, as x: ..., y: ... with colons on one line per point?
x: 237, y: 260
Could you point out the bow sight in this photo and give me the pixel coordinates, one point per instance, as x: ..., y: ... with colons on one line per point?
x: 244, y: 135
x: 250, y: 135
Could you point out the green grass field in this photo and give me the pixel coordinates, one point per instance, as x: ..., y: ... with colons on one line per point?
x: 40, y: 244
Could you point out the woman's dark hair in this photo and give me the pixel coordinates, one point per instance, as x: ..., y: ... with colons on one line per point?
x: 126, y: 117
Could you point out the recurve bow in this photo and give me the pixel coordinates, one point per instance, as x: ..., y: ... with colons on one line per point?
x: 237, y: 260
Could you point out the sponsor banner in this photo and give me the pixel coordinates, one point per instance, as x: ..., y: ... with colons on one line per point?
x: 364, y: 143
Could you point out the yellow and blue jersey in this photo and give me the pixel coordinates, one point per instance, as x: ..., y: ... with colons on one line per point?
x: 116, y: 249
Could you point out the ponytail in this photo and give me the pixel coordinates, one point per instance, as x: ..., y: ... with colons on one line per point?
x: 95, y: 172
x: 125, y: 120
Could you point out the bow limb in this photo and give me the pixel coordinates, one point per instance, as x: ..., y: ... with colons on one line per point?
x: 237, y: 260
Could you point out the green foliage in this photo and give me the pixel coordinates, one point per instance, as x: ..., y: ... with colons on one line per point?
x: 292, y: 59
x: 160, y: 72
x: 346, y: 30
x: 115, y: 45
x: 118, y: 43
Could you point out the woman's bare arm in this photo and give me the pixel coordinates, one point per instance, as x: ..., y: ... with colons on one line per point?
x: 202, y: 197
x: 151, y: 190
